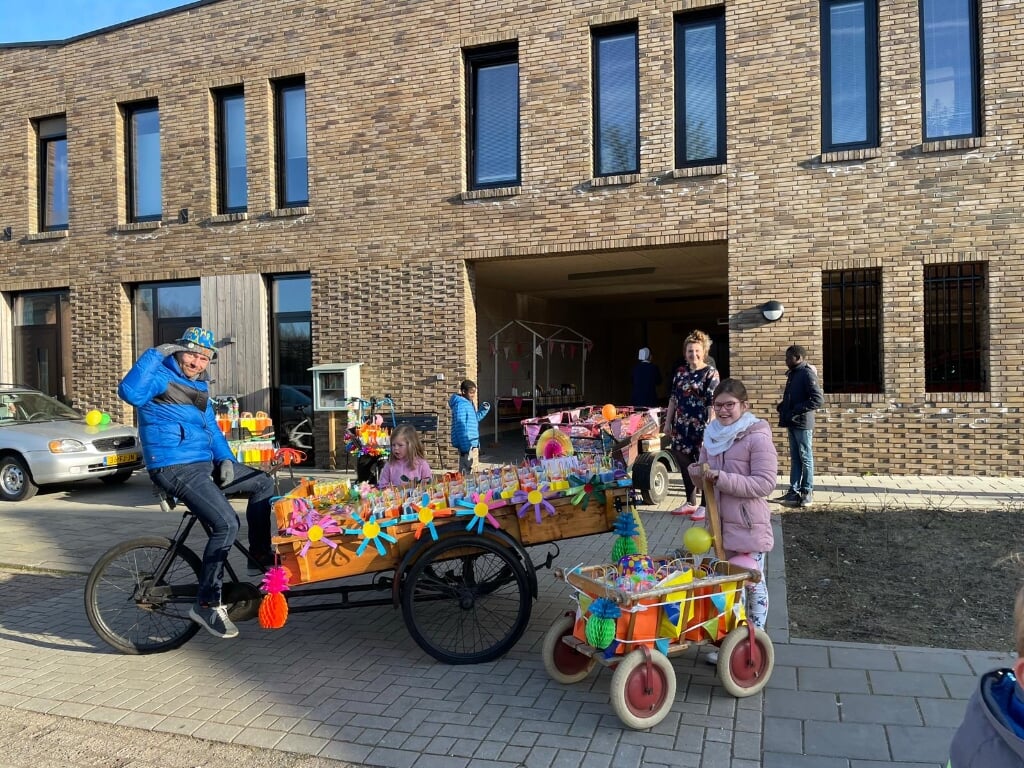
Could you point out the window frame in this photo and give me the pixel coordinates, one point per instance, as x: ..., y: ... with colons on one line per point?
x: 871, y: 78
x: 944, y: 286
x: 974, y: 38
x: 681, y: 23
x: 853, y: 284
x: 223, y: 137
x: 131, y: 112
x: 475, y: 60
x: 50, y: 130
x: 281, y: 127
x: 598, y: 34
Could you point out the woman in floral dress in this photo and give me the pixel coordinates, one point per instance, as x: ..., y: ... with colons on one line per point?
x: 689, y: 406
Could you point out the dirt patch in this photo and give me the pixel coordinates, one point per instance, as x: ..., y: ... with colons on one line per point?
x: 935, y: 578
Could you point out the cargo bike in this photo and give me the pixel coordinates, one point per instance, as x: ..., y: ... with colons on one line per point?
x: 465, y: 590
x: 690, y: 600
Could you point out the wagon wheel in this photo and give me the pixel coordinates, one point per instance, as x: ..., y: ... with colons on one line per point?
x: 642, y: 693
x: 564, y: 664
x: 745, y: 661
x: 466, y: 599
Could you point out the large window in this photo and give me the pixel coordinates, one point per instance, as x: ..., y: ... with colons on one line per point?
x: 493, y: 116
x: 142, y: 133
x: 700, y: 88
x: 955, y: 311
x: 52, y: 151
x: 292, y: 164
x: 232, y: 189
x: 849, y: 74
x: 616, y: 101
x: 851, y: 330
x: 291, y: 307
x: 164, y: 310
x: 42, y: 342
x: 952, y: 72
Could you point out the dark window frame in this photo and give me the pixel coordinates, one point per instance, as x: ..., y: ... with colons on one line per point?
x: 50, y: 130
x: 223, y: 137
x: 682, y: 22
x: 131, y: 111
x: 475, y: 60
x: 281, y: 125
x: 871, y: 74
x: 976, y: 79
x: 596, y: 35
x: 852, y: 330
x: 955, y: 327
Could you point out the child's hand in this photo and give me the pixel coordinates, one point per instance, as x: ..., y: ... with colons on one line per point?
x: 711, y: 475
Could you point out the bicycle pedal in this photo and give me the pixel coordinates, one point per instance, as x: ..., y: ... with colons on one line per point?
x: 166, y: 501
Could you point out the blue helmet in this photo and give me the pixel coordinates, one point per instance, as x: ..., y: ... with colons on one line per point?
x: 198, y: 340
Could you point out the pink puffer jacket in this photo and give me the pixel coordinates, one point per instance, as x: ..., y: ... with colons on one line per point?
x: 748, y: 471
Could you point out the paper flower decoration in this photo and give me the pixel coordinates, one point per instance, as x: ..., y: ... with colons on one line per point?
x: 535, y: 498
x: 581, y: 490
x: 273, y: 611
x: 479, y: 507
x: 372, y: 530
x: 553, y: 443
x: 424, y: 514
x: 313, y: 527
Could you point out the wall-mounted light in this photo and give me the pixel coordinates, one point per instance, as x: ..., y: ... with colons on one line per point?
x: 772, y: 310
x: 7, y: 233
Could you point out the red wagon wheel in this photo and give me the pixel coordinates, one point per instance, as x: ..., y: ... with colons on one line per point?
x: 746, y: 660
x: 643, y: 689
x: 563, y: 664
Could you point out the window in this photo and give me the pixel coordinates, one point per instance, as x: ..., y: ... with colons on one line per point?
x: 142, y: 132
x: 955, y: 308
x: 164, y: 310
x: 851, y: 330
x: 849, y: 74
x: 492, y: 118
x: 53, y: 173
x: 616, y: 101
x: 292, y: 167
x: 232, y: 189
x: 949, y: 61
x: 700, y: 89
x: 42, y: 342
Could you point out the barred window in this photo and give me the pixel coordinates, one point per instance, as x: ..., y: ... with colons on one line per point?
x: 851, y: 330
x: 955, y: 327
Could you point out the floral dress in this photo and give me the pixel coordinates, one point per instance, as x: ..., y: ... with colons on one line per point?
x: 692, y: 391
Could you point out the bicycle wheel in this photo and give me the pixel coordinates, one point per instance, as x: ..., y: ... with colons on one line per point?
x: 466, y: 599
x: 133, y: 613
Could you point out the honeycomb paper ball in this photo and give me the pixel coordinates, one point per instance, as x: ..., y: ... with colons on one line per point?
x: 93, y: 418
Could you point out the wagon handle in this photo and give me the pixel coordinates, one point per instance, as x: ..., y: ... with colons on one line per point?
x: 711, y: 505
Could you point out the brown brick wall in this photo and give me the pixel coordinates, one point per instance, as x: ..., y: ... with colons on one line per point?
x: 389, y: 228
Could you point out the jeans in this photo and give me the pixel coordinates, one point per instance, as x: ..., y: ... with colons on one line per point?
x: 801, y: 461
x: 194, y: 485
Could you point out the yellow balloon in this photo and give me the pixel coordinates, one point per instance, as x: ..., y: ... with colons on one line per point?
x: 608, y: 412
x: 697, y: 540
x: 93, y: 418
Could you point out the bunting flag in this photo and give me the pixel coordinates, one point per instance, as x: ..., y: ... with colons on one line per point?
x: 563, y: 350
x: 572, y: 352
x: 514, y: 365
x: 538, y: 351
x: 507, y: 349
x: 719, y: 601
x: 518, y: 403
x: 661, y: 644
x: 493, y: 349
x: 551, y: 346
x: 711, y: 627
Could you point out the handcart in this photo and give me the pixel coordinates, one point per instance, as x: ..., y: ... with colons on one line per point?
x: 632, y: 437
x: 460, y: 573
x: 693, y: 602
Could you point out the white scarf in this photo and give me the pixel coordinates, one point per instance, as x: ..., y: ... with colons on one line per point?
x: 718, y: 438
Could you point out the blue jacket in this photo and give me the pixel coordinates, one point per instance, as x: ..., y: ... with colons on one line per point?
x: 990, y: 735
x: 177, y: 424
x: 466, y: 422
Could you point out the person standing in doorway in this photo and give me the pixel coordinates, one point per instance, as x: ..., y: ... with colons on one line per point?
x: 689, y: 406
x: 801, y: 398
x: 646, y: 379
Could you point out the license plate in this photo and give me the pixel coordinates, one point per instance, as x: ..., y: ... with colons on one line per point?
x: 121, y: 458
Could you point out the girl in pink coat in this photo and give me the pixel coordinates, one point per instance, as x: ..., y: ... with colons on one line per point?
x: 743, y: 467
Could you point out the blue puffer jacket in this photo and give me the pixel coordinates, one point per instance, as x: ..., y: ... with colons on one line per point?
x: 466, y: 422
x: 177, y: 424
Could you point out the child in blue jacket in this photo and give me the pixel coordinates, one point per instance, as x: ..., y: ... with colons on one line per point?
x: 466, y: 418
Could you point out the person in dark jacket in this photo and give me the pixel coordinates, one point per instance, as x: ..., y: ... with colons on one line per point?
x: 801, y: 398
x: 188, y: 457
x: 992, y: 732
x: 646, y: 378
x: 466, y: 418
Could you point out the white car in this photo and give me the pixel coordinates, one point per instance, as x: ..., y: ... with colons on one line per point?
x: 43, y: 441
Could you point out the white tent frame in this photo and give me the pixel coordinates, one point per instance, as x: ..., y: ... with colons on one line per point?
x: 540, y: 333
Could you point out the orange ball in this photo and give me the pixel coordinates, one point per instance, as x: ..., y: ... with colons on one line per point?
x: 608, y: 412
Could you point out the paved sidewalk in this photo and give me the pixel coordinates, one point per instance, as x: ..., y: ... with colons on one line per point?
x: 352, y: 686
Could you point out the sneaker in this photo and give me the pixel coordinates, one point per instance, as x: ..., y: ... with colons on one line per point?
x: 806, y: 500
x: 712, y: 658
x: 788, y: 497
x: 214, y: 619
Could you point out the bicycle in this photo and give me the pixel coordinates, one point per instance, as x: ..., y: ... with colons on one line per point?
x: 299, y: 434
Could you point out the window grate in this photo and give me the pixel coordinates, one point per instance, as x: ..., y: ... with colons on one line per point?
x: 851, y: 330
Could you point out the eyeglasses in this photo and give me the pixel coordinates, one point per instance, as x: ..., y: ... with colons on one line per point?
x: 728, y: 405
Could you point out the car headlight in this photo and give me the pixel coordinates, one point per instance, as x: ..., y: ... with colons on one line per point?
x: 67, y: 445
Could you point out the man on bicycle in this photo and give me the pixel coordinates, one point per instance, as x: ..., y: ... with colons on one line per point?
x: 187, y: 456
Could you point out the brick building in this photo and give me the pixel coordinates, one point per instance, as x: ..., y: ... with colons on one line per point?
x: 394, y: 183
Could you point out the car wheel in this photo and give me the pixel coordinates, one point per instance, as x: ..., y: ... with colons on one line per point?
x: 15, y: 481
x: 117, y: 478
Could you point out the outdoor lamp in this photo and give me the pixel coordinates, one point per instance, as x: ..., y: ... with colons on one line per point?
x: 772, y: 310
